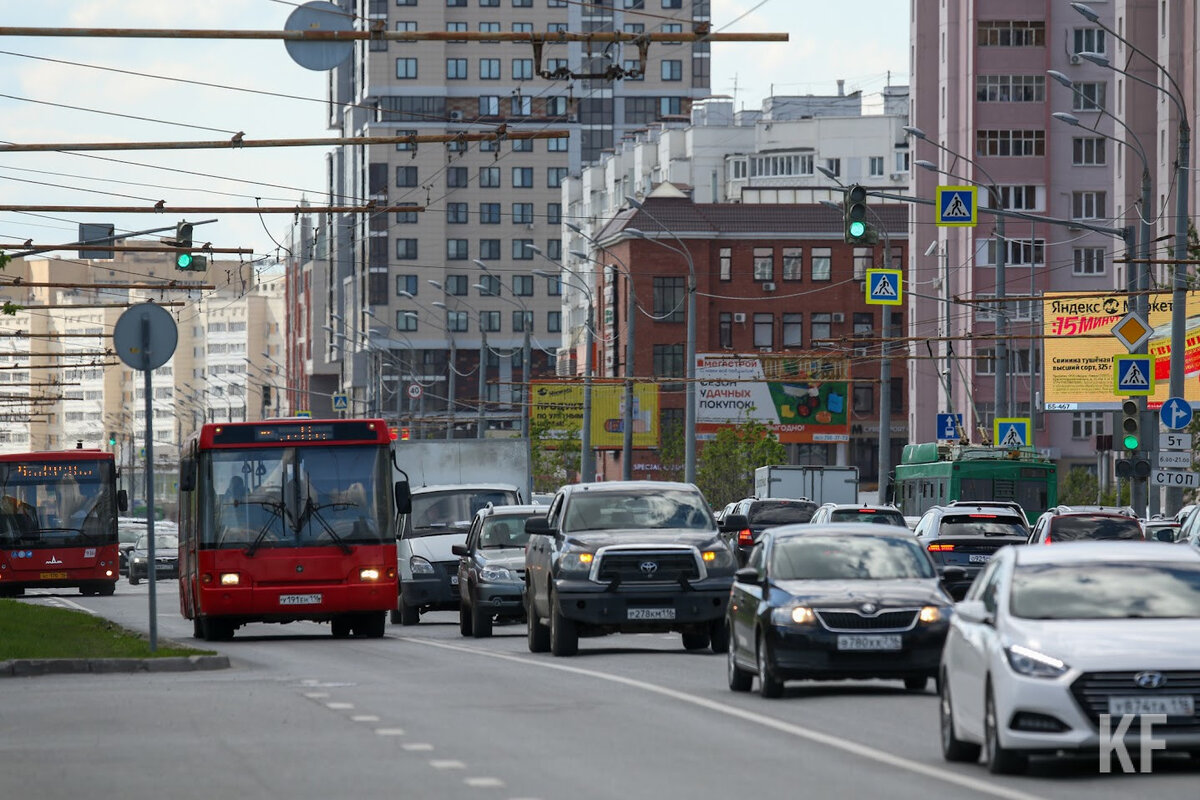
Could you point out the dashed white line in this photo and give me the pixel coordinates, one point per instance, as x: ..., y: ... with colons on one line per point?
x: 417, y: 746
x: 316, y: 695
x: 364, y: 718
x: 340, y: 706
x: 484, y: 783
x: 447, y: 763
x: 389, y: 731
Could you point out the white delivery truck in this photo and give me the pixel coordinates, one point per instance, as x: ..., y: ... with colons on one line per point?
x: 450, y: 480
x: 819, y: 484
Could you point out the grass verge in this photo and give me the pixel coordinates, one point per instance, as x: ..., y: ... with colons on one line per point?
x: 36, y: 631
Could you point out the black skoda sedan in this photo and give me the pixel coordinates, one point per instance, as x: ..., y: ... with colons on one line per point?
x: 836, y: 601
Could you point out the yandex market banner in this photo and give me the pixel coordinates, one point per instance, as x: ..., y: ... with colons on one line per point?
x: 1078, y: 370
x: 802, y: 398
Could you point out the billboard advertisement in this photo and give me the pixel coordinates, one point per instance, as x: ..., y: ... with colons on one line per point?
x: 802, y: 398
x: 559, y: 406
x: 1078, y: 369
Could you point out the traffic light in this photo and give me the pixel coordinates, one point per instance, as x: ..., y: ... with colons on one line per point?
x: 858, y: 230
x: 112, y: 439
x: 185, y: 259
x: 1131, y: 434
x: 266, y: 394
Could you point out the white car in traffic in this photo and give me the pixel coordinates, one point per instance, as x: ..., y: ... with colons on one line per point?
x: 1062, y: 648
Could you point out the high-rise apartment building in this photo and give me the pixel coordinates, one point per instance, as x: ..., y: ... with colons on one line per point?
x: 403, y: 299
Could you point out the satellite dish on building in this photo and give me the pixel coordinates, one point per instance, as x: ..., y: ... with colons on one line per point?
x: 319, y: 16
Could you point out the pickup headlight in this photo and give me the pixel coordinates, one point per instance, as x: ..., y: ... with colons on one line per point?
x: 718, y: 558
x: 1030, y: 662
x: 792, y: 615
x: 575, y: 562
x: 420, y: 566
x: 497, y: 575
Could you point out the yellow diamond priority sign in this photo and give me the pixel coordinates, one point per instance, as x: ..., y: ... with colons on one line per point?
x: 1132, y: 331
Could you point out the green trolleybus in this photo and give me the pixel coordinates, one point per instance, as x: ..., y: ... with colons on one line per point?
x: 936, y: 473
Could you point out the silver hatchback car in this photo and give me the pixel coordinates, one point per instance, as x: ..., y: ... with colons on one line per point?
x: 491, y: 568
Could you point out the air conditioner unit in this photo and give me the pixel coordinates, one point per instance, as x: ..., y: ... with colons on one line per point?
x: 739, y: 317
x: 769, y: 286
x: 839, y: 316
x: 456, y: 116
x: 1076, y: 58
x: 896, y: 176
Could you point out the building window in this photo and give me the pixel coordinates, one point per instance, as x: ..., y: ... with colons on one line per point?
x: 1086, y: 424
x: 862, y: 262
x: 1019, y: 252
x: 764, y: 263
x: 1019, y: 198
x: 864, y: 399
x: 456, y: 285
x: 456, y: 321
x: 822, y: 329
x: 725, y: 329
x: 522, y: 321
x: 1087, y: 205
x: 522, y: 213
x: 553, y: 213
x: 489, y: 69
x: 1010, y: 88
x: 985, y: 361
x: 1007, y: 33
x: 456, y: 69
x: 670, y: 106
x: 553, y: 322
x: 554, y: 249
x: 457, y: 213
x: 406, y: 177
x: 555, y: 176
x: 864, y: 327
x: 406, y: 68
x: 764, y: 331
x: 406, y: 321
x: 793, y: 263
x: 406, y: 284
x: 822, y: 263
x: 406, y: 217
x: 522, y: 285
x: 672, y: 70
x: 456, y: 177
x: 668, y: 362
x: 457, y: 250
x: 553, y: 286
x: 834, y: 165
x: 489, y: 321
x: 793, y: 330
x: 1088, y: 96
x: 489, y: 213
x: 876, y: 166
x: 489, y: 177
x: 405, y: 145
x: 726, y: 260
x: 668, y: 299
x: 1088, y: 261
x: 1088, y: 151
x: 521, y: 251
x: 522, y: 177
x: 1088, y: 40
x: 521, y: 105
x: 489, y: 286
x: 489, y: 249
x: 557, y: 145
x: 406, y: 248
x: 522, y: 145
x: 1010, y: 143
x: 489, y: 105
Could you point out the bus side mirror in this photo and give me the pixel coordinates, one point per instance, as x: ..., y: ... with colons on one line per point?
x: 187, y: 475
x: 890, y: 492
x: 403, y: 498
x: 122, y: 500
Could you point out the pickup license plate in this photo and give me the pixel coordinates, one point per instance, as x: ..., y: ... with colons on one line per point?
x: 979, y: 558
x: 860, y: 641
x: 299, y: 599
x: 1172, y: 705
x: 650, y: 613
x: 54, y: 576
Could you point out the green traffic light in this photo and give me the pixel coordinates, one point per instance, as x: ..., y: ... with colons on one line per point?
x: 857, y: 228
x: 1131, y: 443
x: 183, y: 260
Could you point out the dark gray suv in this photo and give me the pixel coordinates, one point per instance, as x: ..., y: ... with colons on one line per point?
x: 491, y: 568
x: 962, y: 538
x: 627, y: 557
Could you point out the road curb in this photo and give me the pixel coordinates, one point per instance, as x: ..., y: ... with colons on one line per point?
x: 31, y: 667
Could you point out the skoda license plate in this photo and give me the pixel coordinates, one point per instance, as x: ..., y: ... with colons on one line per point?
x: 876, y: 641
x: 650, y: 613
x: 1173, y: 705
x: 299, y: 599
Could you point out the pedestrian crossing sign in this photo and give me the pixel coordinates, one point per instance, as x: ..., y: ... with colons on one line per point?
x: 1133, y: 375
x: 884, y: 287
x: 1011, y: 432
x: 341, y: 402
x: 957, y: 206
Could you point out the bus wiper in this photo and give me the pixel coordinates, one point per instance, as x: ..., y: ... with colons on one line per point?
x: 312, y: 511
x: 79, y: 531
x: 278, y: 511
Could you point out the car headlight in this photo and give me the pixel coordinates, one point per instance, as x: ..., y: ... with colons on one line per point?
x: 139, y: 560
x: 1032, y: 663
x: 792, y: 615
x: 718, y: 559
x: 497, y: 575
x: 420, y: 566
x: 931, y: 614
x: 575, y: 562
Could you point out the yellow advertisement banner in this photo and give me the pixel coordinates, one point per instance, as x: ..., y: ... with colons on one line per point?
x: 1079, y: 370
x: 559, y: 406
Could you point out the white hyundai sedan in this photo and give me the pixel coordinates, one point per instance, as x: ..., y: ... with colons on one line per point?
x: 1080, y: 647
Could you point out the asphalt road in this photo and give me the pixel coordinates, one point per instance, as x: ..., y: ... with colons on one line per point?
x: 425, y: 713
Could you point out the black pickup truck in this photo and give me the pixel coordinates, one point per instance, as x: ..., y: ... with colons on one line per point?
x: 627, y: 557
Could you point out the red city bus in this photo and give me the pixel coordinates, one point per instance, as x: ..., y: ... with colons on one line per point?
x: 58, y: 521
x: 285, y: 520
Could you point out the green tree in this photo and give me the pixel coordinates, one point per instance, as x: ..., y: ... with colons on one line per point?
x: 671, y: 452
x: 1080, y: 488
x: 554, y: 459
x: 725, y: 473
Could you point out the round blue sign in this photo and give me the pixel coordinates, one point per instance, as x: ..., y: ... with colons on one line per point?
x: 1176, y: 413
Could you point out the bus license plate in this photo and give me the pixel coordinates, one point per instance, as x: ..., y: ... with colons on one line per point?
x: 299, y: 599
x: 54, y: 576
x: 869, y: 642
x: 650, y: 613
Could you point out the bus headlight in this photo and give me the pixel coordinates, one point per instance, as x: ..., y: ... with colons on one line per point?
x: 230, y: 579
x: 368, y: 574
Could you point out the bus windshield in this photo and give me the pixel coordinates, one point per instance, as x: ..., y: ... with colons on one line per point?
x: 56, y: 504
x: 296, y: 497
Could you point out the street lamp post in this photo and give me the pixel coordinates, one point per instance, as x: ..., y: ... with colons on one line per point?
x: 689, y: 410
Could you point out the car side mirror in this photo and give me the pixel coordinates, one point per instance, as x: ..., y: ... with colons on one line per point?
x: 403, y: 498
x: 539, y: 525
x: 734, y: 523
x: 746, y: 575
x: 459, y: 550
x: 953, y: 574
x: 1165, y: 535
x: 974, y: 611
x: 122, y: 500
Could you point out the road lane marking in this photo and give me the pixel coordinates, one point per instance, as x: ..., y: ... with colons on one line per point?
x: 799, y: 731
x: 340, y: 706
x: 316, y: 695
x: 364, y: 718
x: 447, y: 763
x: 484, y: 783
x: 389, y: 731
x: 417, y: 747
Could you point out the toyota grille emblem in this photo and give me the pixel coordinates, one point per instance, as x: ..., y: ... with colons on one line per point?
x: 648, y: 568
x: 1150, y: 680
x: 868, y: 608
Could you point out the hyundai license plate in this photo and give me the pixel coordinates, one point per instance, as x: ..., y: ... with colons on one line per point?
x: 299, y: 599
x: 650, y: 613
x: 1173, y: 705
x: 863, y: 641
x: 979, y: 558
